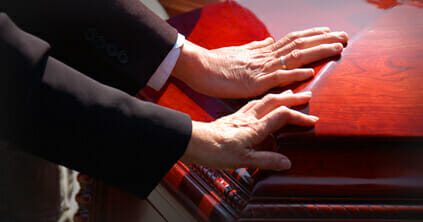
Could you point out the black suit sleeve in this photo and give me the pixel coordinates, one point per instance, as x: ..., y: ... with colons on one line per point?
x: 117, y: 42
x: 57, y: 113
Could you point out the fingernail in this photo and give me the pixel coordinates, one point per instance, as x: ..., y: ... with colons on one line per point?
x: 309, y: 72
x: 342, y: 35
x: 314, y: 118
x: 338, y: 47
x: 306, y: 93
x: 285, y: 164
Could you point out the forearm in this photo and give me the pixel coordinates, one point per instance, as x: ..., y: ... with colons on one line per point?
x: 193, y: 60
x: 105, y: 133
x: 117, y: 42
x: 203, y: 146
x: 55, y: 112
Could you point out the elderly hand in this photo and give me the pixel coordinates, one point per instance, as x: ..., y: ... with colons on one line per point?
x: 228, y: 142
x: 252, y: 69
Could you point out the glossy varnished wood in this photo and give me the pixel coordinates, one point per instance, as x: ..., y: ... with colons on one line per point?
x: 357, y: 97
x: 376, y: 90
x: 176, y: 7
x: 282, y: 17
x: 362, y: 161
x: 367, y: 143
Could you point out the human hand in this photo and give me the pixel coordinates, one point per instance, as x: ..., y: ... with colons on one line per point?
x: 252, y: 69
x: 228, y: 142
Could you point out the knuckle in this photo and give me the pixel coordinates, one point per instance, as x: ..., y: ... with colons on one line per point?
x: 283, y: 110
x: 301, y: 75
x: 298, y: 42
x: 266, y: 66
x: 292, y: 36
x: 316, y: 30
x: 278, y: 44
x: 276, y: 54
x: 327, y: 35
x: 321, y: 30
x: 288, y: 92
x: 275, y: 46
x: 254, y: 64
x: 259, y: 103
x: 253, y: 103
x: 296, y: 54
x: 275, y: 77
x: 256, y: 128
x: 248, y: 157
x: 270, y: 97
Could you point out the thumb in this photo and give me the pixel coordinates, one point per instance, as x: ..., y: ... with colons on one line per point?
x: 268, y: 160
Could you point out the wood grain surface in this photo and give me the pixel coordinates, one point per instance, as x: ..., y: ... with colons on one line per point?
x: 376, y: 89
x: 362, y: 161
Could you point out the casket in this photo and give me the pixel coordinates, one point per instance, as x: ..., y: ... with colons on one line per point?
x: 363, y: 161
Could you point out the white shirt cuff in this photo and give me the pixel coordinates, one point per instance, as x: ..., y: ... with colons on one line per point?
x: 159, y: 78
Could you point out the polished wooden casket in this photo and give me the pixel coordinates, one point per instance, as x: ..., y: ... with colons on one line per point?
x: 362, y: 161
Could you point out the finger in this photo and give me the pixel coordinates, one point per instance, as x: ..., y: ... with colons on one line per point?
x: 298, y: 58
x: 267, y: 160
x: 272, y: 101
x: 283, y: 77
x: 248, y: 106
x: 253, y: 103
x: 311, y: 41
x: 287, y: 92
x: 298, y: 34
x: 281, y: 116
x: 260, y: 44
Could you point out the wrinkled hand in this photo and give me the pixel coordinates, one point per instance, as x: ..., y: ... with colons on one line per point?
x: 228, y: 142
x: 252, y: 69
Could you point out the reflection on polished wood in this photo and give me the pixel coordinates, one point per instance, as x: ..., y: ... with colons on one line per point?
x: 176, y: 7
x: 376, y: 89
x: 362, y: 161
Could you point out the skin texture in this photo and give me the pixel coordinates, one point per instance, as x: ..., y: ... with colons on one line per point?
x: 252, y: 69
x: 248, y: 71
x: 228, y: 141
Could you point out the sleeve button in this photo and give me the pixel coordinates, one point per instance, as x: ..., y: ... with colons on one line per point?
x: 123, y: 57
x: 90, y: 34
x: 111, y: 50
x: 100, y: 42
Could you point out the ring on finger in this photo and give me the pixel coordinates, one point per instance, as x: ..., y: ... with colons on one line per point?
x: 283, y: 62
